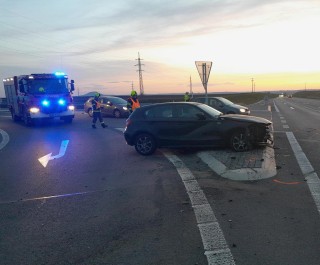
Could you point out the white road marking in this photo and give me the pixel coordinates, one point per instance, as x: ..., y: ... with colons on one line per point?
x: 310, y: 175
x: 285, y: 126
x: 215, y: 245
x: 45, y: 159
x: 5, y: 139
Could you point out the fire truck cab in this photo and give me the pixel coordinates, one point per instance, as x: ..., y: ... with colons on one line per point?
x: 36, y: 97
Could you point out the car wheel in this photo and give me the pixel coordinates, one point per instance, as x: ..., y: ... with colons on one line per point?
x: 239, y: 142
x: 117, y: 113
x: 90, y: 112
x: 145, y: 144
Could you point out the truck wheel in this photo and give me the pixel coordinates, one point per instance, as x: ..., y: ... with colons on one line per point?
x: 27, y: 120
x: 68, y: 120
x: 14, y: 116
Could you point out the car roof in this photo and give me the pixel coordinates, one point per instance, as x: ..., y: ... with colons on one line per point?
x: 174, y: 103
x: 210, y: 97
x: 107, y: 96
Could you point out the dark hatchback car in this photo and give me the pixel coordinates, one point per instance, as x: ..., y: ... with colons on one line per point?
x: 111, y: 106
x: 191, y: 124
x: 224, y: 105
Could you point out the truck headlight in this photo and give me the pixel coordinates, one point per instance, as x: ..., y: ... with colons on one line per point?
x: 34, y: 110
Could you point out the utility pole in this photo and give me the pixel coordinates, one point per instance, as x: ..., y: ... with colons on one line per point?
x: 252, y: 84
x: 140, y: 74
x: 191, y: 92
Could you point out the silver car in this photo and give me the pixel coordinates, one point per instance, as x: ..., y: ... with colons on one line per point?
x: 111, y: 106
x: 224, y: 105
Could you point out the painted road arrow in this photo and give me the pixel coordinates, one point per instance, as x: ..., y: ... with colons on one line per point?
x: 45, y: 159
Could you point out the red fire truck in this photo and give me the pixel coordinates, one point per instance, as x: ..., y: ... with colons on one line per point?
x: 36, y: 97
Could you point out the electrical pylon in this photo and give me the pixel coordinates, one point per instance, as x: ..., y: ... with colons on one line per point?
x: 140, y: 74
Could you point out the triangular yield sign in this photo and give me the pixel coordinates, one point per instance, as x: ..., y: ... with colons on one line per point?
x: 204, y: 68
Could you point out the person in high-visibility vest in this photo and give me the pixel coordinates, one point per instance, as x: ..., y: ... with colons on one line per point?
x: 96, y: 108
x: 186, y: 97
x: 133, y: 101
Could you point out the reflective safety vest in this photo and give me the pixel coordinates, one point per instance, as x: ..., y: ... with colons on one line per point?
x: 98, y: 106
x: 135, y: 104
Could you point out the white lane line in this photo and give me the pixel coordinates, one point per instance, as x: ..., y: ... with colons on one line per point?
x: 310, y: 175
x: 5, y: 139
x: 214, y: 242
x: 285, y: 126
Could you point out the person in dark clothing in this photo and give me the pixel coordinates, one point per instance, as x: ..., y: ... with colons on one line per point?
x: 96, y: 108
x: 133, y: 102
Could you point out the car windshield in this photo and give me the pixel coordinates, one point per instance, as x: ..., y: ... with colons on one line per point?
x: 226, y: 101
x: 211, y: 111
x: 117, y: 100
x: 48, y: 86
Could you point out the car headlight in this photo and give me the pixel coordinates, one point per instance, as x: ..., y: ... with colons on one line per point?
x: 242, y: 110
x: 125, y: 108
x: 34, y: 110
x: 71, y: 107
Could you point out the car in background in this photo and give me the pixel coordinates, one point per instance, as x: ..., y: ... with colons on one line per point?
x: 192, y: 124
x: 111, y: 106
x: 224, y: 105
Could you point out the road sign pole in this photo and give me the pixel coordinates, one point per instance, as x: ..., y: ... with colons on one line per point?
x: 204, y: 72
x: 205, y: 81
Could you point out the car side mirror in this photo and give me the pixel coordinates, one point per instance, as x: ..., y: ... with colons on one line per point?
x: 21, y: 88
x: 72, y: 85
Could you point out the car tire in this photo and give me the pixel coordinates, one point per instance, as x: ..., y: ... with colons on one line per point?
x: 90, y: 112
x: 145, y: 144
x: 239, y: 142
x: 116, y: 113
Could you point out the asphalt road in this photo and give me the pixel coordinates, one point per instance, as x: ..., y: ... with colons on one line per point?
x: 102, y: 203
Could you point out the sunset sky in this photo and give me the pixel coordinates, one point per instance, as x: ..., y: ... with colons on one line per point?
x: 275, y: 42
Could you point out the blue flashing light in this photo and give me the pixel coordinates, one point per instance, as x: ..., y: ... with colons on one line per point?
x: 45, y: 103
x: 59, y: 73
x: 62, y: 102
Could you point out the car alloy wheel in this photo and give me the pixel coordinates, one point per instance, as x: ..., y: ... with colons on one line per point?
x: 90, y: 112
x: 145, y: 144
x: 116, y: 113
x: 239, y: 141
